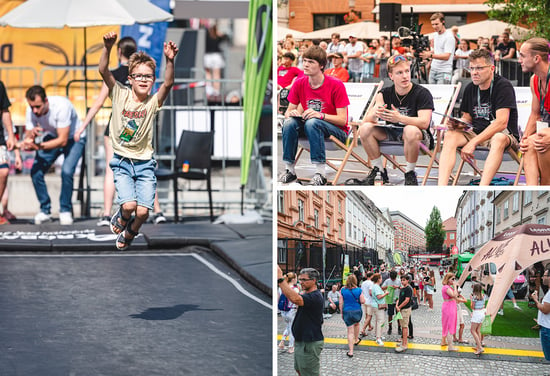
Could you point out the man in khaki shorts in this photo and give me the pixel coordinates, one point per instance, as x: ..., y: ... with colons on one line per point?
x: 489, y: 105
x: 404, y: 306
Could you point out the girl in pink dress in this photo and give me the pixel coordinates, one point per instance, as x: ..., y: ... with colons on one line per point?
x: 448, y: 311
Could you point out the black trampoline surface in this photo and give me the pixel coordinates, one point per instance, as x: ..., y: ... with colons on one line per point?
x: 118, y: 314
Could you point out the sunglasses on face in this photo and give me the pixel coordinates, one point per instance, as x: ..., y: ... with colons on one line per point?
x: 304, y: 279
x: 396, y: 58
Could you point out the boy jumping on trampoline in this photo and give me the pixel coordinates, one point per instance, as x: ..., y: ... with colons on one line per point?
x: 131, y: 134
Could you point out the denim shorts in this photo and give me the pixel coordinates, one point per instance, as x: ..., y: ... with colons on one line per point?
x: 352, y: 317
x: 135, y: 180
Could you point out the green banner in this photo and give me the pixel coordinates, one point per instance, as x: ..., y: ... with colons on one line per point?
x: 258, y: 64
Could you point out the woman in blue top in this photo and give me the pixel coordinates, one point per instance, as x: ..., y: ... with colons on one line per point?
x: 351, y: 298
x: 477, y: 303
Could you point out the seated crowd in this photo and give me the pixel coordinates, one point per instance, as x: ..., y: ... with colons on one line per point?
x: 317, y: 105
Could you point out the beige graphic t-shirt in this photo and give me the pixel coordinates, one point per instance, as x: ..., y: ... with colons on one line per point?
x: 131, y: 129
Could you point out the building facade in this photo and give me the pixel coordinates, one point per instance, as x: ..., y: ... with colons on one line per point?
x: 449, y: 225
x: 474, y: 219
x: 514, y: 208
x: 408, y: 236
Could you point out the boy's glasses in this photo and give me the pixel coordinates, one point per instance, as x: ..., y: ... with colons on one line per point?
x: 142, y: 77
x: 396, y: 58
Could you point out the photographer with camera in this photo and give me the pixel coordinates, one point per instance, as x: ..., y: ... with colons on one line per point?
x: 441, y: 57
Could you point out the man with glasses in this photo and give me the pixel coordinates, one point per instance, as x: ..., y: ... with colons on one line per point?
x: 306, y: 328
x: 535, y: 143
x: 405, y: 110
x: 543, y: 318
x: 318, y: 109
x: 489, y: 105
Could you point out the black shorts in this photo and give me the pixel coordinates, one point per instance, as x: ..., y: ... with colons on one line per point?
x: 391, y: 309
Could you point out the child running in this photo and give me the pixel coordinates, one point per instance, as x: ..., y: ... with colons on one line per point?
x: 131, y: 134
x: 478, y: 314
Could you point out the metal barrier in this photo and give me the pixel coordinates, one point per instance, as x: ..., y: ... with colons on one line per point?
x: 511, y: 69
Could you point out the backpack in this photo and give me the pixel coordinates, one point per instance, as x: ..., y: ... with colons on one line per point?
x: 284, y: 303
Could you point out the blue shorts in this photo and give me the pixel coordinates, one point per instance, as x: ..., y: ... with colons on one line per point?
x: 135, y: 180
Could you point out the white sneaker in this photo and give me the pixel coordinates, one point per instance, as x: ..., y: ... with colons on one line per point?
x: 42, y: 217
x: 379, y: 342
x: 65, y: 218
x: 501, y: 312
x: 517, y: 308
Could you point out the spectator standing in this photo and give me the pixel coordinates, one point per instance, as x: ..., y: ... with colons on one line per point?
x: 317, y: 109
x: 214, y: 61
x: 535, y: 143
x: 391, y: 286
x: 335, y: 46
x: 366, y: 287
x: 477, y: 303
x: 379, y: 306
x: 50, y: 126
x: 429, y: 289
x: 338, y: 71
x: 404, y: 306
x: 352, y: 55
x: 449, y: 311
x: 543, y: 318
x: 441, y: 68
x: 288, y: 316
x: 461, y: 58
x: 351, y: 298
x: 368, y: 58
x: 307, y: 325
x: 5, y: 146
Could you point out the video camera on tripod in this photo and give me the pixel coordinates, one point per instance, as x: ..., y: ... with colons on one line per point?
x: 413, y: 38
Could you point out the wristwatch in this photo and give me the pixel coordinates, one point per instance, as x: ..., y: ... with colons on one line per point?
x: 280, y: 280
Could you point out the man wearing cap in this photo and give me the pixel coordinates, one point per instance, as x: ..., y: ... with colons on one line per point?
x: 286, y: 75
x: 352, y: 57
x: 338, y: 71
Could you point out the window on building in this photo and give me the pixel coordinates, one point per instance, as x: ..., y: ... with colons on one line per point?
x: 323, y: 21
x: 452, y: 236
x: 339, y: 206
x: 505, y: 208
x: 497, y: 215
x: 300, y: 210
x: 328, y: 196
x: 281, y: 201
x: 515, y: 202
x: 282, y: 251
x: 316, y: 217
x: 527, y: 197
x: 541, y: 220
x: 340, y: 232
x: 328, y: 225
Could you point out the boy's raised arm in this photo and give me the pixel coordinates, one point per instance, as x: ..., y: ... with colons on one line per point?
x: 109, y: 40
x: 170, y: 51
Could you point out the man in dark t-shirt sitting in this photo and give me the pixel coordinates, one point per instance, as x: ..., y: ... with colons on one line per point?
x: 307, y: 324
x: 402, y: 112
x: 489, y: 105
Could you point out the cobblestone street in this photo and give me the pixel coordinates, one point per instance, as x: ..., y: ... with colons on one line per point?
x: 425, y: 355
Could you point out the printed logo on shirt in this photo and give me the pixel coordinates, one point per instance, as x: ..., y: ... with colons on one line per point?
x: 483, y: 111
x: 315, y: 104
x: 282, y: 72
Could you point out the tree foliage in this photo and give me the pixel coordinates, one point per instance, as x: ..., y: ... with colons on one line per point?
x: 435, y: 234
x: 531, y: 13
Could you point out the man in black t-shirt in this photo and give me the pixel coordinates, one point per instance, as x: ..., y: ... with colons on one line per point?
x: 404, y: 306
x: 489, y: 105
x: 402, y: 112
x: 308, y: 321
x: 505, y: 51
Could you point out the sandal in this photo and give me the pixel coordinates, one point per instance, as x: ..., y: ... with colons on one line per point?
x: 358, y: 342
x: 123, y: 239
x: 349, y: 355
x: 117, y: 227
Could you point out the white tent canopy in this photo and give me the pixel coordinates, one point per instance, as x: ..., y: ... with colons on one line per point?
x: 488, y: 28
x: 283, y: 31
x: 362, y: 30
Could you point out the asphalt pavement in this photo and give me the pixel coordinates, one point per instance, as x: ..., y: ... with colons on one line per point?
x: 425, y: 356
x: 185, y: 299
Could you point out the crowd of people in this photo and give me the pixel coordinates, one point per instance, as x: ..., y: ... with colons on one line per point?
x: 379, y: 298
x: 310, y: 82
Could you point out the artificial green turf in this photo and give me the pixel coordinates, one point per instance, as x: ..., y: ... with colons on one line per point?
x: 514, y: 323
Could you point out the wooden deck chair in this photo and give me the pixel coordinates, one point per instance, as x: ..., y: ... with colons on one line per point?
x: 523, y: 103
x: 361, y: 97
x: 444, y: 97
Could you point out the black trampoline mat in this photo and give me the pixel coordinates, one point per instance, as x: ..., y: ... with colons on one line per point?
x: 123, y: 314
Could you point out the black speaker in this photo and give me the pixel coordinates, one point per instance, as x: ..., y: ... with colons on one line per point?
x: 390, y: 16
